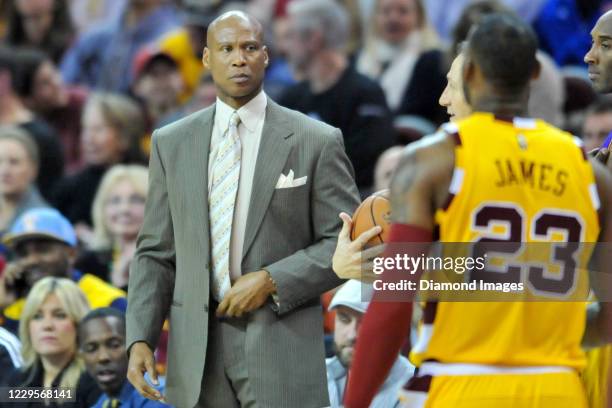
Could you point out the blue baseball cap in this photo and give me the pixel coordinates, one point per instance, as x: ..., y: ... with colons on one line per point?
x: 46, y: 223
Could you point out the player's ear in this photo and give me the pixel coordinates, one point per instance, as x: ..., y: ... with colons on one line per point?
x: 469, y: 69
x: 537, y: 69
x: 206, y: 58
x: 266, y: 56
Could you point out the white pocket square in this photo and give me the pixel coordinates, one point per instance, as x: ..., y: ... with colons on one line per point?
x: 288, y: 181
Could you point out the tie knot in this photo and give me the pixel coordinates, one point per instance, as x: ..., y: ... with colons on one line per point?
x: 234, y: 119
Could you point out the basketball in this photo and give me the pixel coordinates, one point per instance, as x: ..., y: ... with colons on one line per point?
x: 374, y: 210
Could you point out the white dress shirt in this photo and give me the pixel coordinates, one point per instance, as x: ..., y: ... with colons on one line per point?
x: 252, y: 117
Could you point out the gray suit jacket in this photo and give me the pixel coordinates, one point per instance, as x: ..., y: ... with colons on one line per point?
x: 290, y: 232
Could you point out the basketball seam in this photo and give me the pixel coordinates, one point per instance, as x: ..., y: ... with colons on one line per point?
x: 374, y: 218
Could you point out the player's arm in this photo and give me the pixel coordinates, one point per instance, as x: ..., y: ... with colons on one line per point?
x: 419, y: 186
x: 599, y: 319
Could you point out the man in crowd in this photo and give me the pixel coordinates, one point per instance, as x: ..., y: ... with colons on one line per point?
x: 44, y: 244
x: 597, y: 123
x: 333, y: 91
x: 350, y: 303
x: 101, y: 338
x: 236, y: 246
x: 102, y: 57
x: 157, y: 83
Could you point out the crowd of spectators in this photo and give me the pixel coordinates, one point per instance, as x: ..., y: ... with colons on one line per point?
x: 83, y: 83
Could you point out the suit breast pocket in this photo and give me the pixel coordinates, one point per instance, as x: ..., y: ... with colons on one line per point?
x: 290, y: 204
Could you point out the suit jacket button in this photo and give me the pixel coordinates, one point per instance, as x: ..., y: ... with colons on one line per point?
x: 206, y: 308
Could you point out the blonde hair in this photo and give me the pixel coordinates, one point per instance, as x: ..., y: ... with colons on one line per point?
x: 9, y: 132
x: 139, y: 179
x: 76, y: 307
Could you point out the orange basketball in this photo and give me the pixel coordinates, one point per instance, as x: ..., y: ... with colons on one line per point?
x: 374, y: 210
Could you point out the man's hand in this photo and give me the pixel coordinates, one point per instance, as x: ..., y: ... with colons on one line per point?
x: 12, y: 272
x: 141, y: 361
x: 248, y: 293
x: 348, y: 257
x: 603, y: 156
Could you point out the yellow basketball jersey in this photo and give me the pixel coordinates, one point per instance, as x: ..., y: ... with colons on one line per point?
x: 517, y: 180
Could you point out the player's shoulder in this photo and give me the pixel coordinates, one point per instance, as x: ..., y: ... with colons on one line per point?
x: 430, y: 158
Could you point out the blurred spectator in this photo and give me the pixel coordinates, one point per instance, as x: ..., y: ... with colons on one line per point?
x: 157, y: 83
x: 400, y: 52
x: 350, y: 303
x: 48, y: 333
x: 597, y: 123
x: 279, y: 73
x: 90, y: 13
x: 333, y: 91
x: 102, y: 344
x: 186, y: 44
x: 547, y: 94
x: 18, y: 169
x: 564, y: 27
x: 14, y: 112
x: 444, y: 14
x: 204, y: 95
x: 59, y: 105
x: 113, y: 127
x: 385, y: 167
x: 102, y: 58
x: 44, y: 244
x: 118, y: 212
x: 5, y: 8
x: 10, y: 354
x: 355, y: 38
x: 42, y: 24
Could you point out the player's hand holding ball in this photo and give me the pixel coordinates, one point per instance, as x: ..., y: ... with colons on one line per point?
x: 362, y: 238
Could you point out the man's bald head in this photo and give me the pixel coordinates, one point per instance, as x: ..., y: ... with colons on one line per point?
x: 234, y: 18
x: 599, y: 57
x: 236, y: 57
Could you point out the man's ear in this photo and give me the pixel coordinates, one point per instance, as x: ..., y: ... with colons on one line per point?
x: 266, y: 56
x: 206, y: 58
x: 469, y: 69
x: 537, y: 69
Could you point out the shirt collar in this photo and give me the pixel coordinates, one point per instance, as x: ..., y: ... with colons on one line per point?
x: 126, y: 391
x: 250, y: 113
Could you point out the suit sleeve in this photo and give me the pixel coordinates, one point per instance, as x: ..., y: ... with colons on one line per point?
x: 308, y: 273
x: 153, y: 268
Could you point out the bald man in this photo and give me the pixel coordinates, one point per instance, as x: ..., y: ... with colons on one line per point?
x: 599, y: 60
x: 236, y: 247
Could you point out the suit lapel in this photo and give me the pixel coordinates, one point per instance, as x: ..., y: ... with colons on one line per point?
x: 199, y: 145
x: 273, y: 151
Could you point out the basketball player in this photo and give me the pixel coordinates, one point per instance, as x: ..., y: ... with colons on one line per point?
x: 494, y: 354
x: 596, y: 375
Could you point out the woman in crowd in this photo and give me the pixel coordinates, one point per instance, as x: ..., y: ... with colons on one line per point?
x: 400, y: 52
x: 112, y: 128
x: 118, y: 212
x: 58, y: 104
x: 18, y: 170
x: 42, y: 24
x: 47, y: 330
